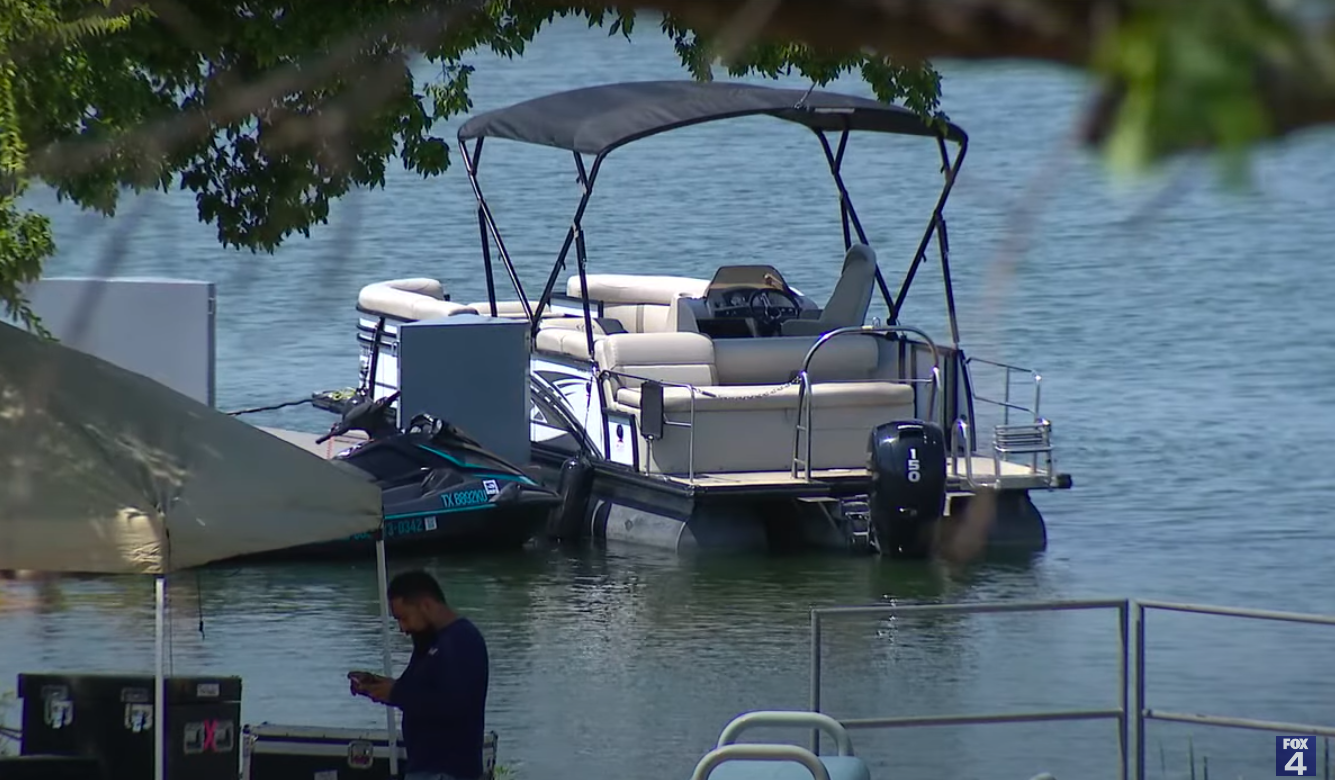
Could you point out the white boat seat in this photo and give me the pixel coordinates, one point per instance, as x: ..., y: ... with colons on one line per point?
x: 850, y: 299
x: 564, y: 342
x: 565, y: 336
x: 641, y: 303
x: 680, y: 358
x: 839, y: 767
x: 570, y: 323
x: 512, y: 309
x: 740, y: 427
x: 778, y: 359
x: 824, y: 395
x: 417, y: 298
x: 634, y: 288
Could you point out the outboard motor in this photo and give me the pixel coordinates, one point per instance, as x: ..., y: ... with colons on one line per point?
x: 908, y: 486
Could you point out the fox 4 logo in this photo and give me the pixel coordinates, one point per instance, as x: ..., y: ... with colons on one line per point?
x: 1295, y: 756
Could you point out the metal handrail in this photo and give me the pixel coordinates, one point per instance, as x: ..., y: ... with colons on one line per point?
x: 816, y: 720
x: 962, y: 425
x: 690, y: 437
x: 1005, y: 403
x: 1132, y: 696
x: 760, y: 752
x: 1040, y: 439
x: 1144, y: 713
x: 804, y: 404
x: 1121, y: 714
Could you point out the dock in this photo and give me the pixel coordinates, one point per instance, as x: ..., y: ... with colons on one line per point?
x: 306, y: 441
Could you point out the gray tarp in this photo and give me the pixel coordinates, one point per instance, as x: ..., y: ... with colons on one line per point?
x: 103, y: 470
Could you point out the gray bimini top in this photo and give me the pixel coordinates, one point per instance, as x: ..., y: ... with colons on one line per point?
x: 596, y: 120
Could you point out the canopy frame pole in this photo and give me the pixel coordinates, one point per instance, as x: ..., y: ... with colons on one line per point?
x: 943, y: 244
x: 575, y: 236
x: 846, y: 210
x: 951, y: 172
x: 489, y: 224
x: 386, y: 657
x: 487, y: 265
x: 159, y: 678
x: 844, y: 203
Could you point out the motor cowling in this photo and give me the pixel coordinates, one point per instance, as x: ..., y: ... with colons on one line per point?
x: 908, y: 486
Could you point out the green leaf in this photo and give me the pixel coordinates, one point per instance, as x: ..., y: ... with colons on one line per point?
x: 96, y: 100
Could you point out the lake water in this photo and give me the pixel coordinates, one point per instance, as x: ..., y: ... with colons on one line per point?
x: 1188, y: 363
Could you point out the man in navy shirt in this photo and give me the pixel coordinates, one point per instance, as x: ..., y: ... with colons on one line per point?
x: 443, y: 692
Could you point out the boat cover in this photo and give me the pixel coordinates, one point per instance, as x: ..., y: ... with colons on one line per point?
x: 107, y: 471
x: 595, y: 120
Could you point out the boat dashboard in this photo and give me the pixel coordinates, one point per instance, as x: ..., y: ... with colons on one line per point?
x: 749, y: 301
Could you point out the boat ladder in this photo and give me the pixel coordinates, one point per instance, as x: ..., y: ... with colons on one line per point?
x: 1031, y: 438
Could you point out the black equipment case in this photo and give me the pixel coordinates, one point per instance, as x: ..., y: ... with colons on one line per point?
x: 109, y: 718
x: 277, y: 752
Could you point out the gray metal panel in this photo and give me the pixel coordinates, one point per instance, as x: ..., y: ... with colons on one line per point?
x: 161, y: 328
x: 471, y: 370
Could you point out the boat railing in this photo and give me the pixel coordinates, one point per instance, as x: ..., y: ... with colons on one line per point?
x: 652, y: 388
x: 1007, y: 403
x: 961, y: 448
x: 1024, y: 436
x: 651, y: 396
x: 802, y: 428
x: 1132, y: 705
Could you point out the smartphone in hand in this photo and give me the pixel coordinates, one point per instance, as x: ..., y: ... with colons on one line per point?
x: 360, y: 679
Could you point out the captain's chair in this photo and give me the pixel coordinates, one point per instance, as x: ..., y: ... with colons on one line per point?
x: 850, y: 300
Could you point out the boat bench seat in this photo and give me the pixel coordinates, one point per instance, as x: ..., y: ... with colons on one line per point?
x: 743, y: 427
x: 512, y: 309
x: 824, y: 395
x: 417, y: 298
x: 565, y: 336
x: 778, y: 359
x: 643, y: 304
x: 554, y: 334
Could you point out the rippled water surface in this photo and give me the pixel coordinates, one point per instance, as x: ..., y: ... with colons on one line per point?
x: 1189, y: 367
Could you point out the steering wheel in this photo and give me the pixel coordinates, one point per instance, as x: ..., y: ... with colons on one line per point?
x: 366, y: 410
x: 769, y: 316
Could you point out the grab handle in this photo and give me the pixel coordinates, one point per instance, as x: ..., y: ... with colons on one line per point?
x: 760, y: 753
x: 803, y: 718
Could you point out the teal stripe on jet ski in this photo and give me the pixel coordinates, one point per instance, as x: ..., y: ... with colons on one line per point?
x: 446, y: 511
x: 470, y: 467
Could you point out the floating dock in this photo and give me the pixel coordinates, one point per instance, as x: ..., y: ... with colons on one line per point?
x: 306, y: 441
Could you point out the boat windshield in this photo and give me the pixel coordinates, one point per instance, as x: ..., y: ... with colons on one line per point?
x: 730, y: 277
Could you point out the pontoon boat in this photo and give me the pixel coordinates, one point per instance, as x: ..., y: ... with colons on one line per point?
x: 736, y: 411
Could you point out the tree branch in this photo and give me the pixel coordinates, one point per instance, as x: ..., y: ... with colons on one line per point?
x: 1297, y: 95
x: 1058, y: 31
x: 239, y: 101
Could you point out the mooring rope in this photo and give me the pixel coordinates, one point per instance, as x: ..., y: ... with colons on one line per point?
x: 274, y: 407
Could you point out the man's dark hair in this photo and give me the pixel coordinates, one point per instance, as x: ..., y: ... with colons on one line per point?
x: 414, y: 585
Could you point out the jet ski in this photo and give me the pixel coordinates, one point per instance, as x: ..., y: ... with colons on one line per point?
x: 443, y: 492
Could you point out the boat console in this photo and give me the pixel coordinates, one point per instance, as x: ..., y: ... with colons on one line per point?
x: 748, y: 301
